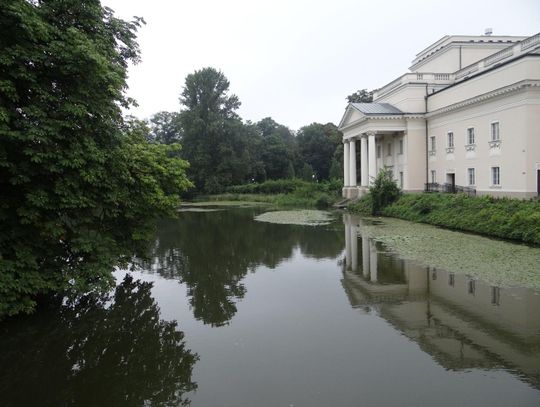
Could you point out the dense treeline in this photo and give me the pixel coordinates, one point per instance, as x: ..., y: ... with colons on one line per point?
x: 223, y: 150
x: 81, y: 185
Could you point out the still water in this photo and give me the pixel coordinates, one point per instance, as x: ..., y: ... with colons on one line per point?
x: 233, y: 312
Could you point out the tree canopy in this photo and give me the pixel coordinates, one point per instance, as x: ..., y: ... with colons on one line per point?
x: 219, y: 147
x: 316, y: 146
x: 165, y: 128
x: 80, y: 186
x: 360, y: 96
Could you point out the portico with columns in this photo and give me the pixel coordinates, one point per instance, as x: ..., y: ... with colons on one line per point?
x: 378, y: 135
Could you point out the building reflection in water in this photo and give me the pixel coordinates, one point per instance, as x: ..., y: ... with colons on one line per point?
x: 461, y: 322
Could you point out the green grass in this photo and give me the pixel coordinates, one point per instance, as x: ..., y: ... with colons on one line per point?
x: 287, y: 193
x: 500, y: 217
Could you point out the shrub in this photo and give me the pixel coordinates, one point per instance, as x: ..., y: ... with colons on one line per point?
x: 363, y: 206
x: 384, y: 191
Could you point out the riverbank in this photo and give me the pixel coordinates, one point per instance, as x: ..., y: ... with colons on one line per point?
x: 283, y: 193
x: 504, y: 218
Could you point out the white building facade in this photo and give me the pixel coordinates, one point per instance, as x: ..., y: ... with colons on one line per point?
x: 467, y: 114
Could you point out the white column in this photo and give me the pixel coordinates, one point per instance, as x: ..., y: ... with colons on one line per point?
x: 346, y: 163
x: 364, y: 180
x: 352, y: 163
x: 372, y: 172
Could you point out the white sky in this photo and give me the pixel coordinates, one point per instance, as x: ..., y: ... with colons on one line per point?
x: 297, y: 60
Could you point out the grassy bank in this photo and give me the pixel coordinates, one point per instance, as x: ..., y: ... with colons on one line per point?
x: 295, y: 193
x: 504, y: 218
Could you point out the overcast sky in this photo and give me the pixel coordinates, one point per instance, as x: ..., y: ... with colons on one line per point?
x: 297, y: 60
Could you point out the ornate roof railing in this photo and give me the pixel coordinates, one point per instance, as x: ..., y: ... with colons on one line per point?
x: 503, y: 55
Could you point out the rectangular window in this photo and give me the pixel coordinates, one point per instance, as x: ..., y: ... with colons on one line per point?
x: 432, y: 138
x: 378, y: 151
x: 389, y: 149
x: 401, y: 146
x: 470, y: 135
x: 401, y: 179
x: 471, y: 178
x: 450, y: 139
x: 433, y: 176
x: 495, y: 176
x: 495, y: 135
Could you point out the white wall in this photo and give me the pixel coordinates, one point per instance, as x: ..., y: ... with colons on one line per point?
x: 519, y: 124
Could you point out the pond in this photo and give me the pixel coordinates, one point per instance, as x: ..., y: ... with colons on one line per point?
x: 230, y: 311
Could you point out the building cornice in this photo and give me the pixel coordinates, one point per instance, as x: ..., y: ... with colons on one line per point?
x: 386, y: 118
x: 370, y: 117
x: 518, y: 86
x: 460, y: 44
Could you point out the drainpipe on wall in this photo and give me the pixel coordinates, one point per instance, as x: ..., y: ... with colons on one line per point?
x: 427, y: 160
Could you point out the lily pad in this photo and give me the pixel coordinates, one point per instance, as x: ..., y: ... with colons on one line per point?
x: 196, y: 209
x: 222, y: 203
x: 302, y: 217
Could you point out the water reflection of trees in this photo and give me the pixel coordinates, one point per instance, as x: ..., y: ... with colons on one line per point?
x: 211, y: 252
x: 98, y: 350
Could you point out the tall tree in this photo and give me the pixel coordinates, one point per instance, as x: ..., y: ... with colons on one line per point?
x: 316, y: 145
x: 165, y: 128
x: 216, y: 142
x: 277, y: 149
x: 79, y: 187
x: 360, y: 96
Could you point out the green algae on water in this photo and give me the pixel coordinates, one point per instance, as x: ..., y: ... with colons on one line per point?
x: 243, y: 204
x: 495, y: 261
x: 300, y: 217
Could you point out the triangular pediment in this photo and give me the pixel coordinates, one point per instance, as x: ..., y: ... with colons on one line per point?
x: 351, y: 115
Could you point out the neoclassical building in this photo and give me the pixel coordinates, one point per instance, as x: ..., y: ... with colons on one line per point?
x: 467, y: 113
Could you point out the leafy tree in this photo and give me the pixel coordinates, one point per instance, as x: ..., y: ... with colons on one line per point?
x: 269, y: 127
x: 316, y: 145
x: 80, y: 187
x: 277, y: 149
x: 306, y: 172
x: 360, y: 96
x: 165, y: 128
x: 336, y: 166
x: 384, y: 191
x: 216, y: 143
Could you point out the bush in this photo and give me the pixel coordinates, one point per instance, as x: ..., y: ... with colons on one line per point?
x: 384, y: 191
x: 364, y: 206
x: 289, y: 192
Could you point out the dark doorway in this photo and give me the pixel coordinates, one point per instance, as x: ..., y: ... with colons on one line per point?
x: 538, y: 182
x: 451, y: 181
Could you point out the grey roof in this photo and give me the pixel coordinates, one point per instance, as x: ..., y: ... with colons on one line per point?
x: 376, y: 108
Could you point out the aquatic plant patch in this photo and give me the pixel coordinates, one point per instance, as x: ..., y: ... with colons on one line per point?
x: 221, y: 203
x: 302, y: 217
x: 197, y: 209
x: 498, y: 262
